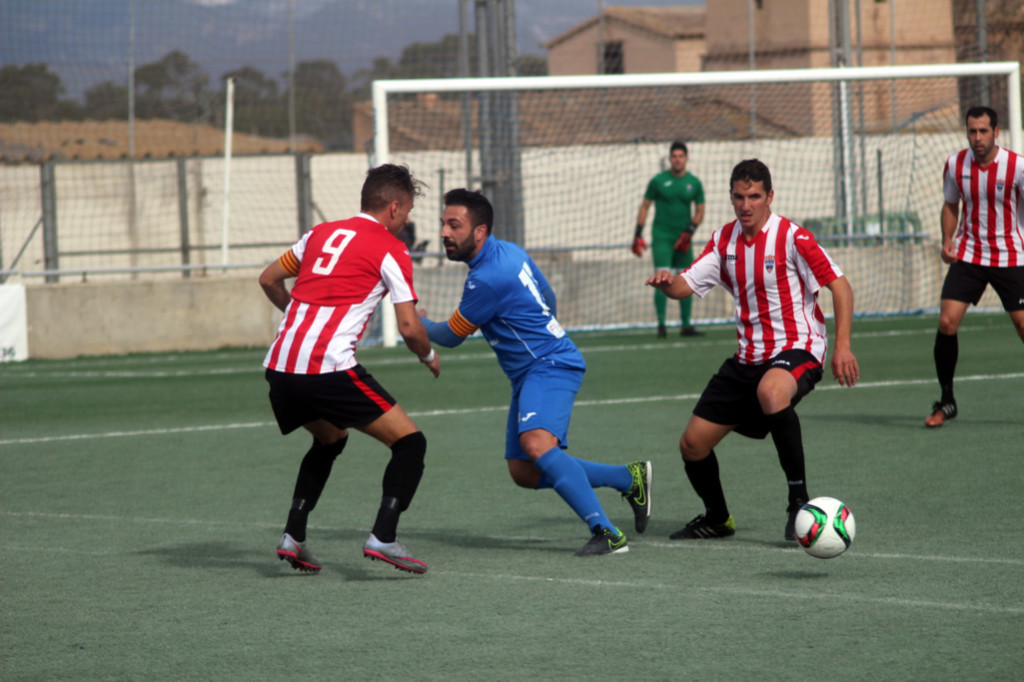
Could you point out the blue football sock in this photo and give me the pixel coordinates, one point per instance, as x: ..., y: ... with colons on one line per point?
x: 599, y: 475
x: 569, y: 480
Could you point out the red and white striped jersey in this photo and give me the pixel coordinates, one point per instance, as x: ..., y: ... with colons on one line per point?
x: 344, y: 269
x: 774, y: 278
x: 989, y: 232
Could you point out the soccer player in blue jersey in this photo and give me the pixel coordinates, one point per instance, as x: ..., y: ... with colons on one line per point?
x: 508, y: 299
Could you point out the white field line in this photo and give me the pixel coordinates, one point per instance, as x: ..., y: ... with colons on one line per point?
x: 896, y: 383
x: 817, y: 595
x: 68, y: 369
x: 833, y: 597
x: 724, y: 546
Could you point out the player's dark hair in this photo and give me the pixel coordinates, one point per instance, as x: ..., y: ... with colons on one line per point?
x: 477, y: 206
x: 387, y: 183
x: 678, y: 144
x: 751, y: 170
x: 979, y: 111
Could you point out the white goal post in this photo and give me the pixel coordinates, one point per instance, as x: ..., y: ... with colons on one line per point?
x: 832, y: 128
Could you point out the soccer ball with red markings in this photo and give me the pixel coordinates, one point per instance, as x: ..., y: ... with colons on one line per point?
x: 825, y: 527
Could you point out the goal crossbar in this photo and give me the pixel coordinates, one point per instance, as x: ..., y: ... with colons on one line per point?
x: 382, y: 88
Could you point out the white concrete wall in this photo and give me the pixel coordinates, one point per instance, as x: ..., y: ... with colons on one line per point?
x: 68, y: 320
x: 576, y: 198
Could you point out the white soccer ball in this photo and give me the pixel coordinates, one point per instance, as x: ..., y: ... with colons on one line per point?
x: 825, y: 527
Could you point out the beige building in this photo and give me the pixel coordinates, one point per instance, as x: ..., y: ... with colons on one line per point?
x: 631, y: 40
x: 788, y: 34
x: 795, y: 34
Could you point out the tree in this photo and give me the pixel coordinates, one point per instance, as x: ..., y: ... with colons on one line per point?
x: 106, y: 100
x: 434, y: 60
x: 172, y: 87
x: 418, y: 60
x: 531, y: 65
x: 323, y: 107
x: 259, y: 109
x: 32, y: 93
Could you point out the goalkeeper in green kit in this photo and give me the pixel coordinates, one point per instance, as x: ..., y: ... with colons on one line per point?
x: 673, y: 192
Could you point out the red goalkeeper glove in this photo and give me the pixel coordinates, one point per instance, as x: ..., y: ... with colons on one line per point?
x: 639, y: 246
x: 683, y: 243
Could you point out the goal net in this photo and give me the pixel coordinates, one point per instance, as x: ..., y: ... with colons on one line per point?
x: 856, y: 156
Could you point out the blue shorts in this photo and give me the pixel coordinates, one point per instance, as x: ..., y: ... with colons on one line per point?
x: 543, y: 399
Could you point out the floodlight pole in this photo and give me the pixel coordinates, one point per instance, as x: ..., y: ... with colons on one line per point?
x: 229, y: 124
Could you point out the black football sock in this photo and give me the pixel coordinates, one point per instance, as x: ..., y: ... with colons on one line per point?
x: 786, y: 434
x: 313, y: 474
x: 401, y: 479
x: 386, y: 525
x: 947, y: 350
x: 706, y: 483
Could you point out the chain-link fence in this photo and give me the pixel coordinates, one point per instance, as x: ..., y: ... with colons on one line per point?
x: 112, y: 112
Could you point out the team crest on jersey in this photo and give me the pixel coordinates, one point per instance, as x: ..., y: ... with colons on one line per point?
x: 769, y: 263
x: 999, y: 186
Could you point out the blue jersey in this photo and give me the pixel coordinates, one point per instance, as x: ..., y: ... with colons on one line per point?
x: 503, y: 296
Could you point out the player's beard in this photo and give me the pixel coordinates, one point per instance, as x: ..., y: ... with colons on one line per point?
x: 459, y: 251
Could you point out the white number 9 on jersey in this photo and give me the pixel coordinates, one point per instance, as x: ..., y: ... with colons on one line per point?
x: 333, y: 246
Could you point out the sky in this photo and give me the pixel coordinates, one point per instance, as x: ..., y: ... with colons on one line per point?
x: 87, y: 41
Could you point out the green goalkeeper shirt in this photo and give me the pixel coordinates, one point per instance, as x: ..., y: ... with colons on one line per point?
x: 673, y: 198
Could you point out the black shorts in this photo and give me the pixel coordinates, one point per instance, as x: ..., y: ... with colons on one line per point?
x: 966, y: 282
x: 351, y: 397
x: 730, y: 397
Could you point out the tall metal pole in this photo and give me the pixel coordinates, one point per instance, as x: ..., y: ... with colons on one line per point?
x: 847, y: 137
x: 752, y: 66
x: 483, y: 68
x: 229, y: 124
x: 981, y: 22
x: 131, y: 79
x: 133, y: 231
x: 291, y: 76
x: 863, y: 168
x: 514, y: 196
x: 839, y: 31
x: 467, y: 115
x: 892, y: 60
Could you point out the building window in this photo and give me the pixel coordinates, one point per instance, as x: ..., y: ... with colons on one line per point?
x: 611, y: 60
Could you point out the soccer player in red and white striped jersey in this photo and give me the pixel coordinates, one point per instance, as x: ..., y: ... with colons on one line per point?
x: 343, y: 270
x: 774, y: 269
x: 983, y: 244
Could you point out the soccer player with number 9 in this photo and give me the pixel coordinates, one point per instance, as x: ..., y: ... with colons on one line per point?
x: 343, y: 269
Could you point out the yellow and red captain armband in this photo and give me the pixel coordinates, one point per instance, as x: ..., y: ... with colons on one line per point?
x: 289, y: 262
x: 461, y: 325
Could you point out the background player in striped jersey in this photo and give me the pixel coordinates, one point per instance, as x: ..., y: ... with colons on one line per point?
x: 343, y: 270
x: 507, y: 297
x: 983, y: 246
x: 774, y: 269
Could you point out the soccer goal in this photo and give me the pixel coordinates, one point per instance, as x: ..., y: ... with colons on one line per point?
x: 856, y: 156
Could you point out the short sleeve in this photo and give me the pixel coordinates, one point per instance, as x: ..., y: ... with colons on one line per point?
x: 950, y: 188
x: 479, y: 302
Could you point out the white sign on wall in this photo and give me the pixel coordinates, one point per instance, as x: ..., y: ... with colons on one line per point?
x: 13, y: 323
